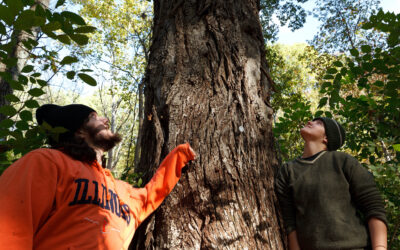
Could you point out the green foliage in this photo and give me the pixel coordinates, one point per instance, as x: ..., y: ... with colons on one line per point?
x: 366, y: 97
x: 133, y: 178
x: 18, y: 132
x: 341, y: 23
x: 297, y: 71
x: 288, y: 12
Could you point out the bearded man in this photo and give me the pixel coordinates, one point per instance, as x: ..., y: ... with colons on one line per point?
x: 62, y: 198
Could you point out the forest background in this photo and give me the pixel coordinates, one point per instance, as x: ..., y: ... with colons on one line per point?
x: 51, y: 51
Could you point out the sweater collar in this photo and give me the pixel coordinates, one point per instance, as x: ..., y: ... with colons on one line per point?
x: 299, y: 159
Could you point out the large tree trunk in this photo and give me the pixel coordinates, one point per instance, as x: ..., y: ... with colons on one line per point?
x: 21, y: 54
x: 206, y: 83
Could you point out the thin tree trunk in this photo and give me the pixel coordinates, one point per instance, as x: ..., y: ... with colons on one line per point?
x: 140, y: 116
x: 21, y: 53
x: 205, y: 84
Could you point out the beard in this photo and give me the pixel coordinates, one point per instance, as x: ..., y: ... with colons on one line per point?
x: 105, y: 142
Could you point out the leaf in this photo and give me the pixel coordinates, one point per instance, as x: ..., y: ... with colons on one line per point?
x: 22, y: 125
x: 88, y: 79
x: 51, y: 26
x: 15, y: 6
x: 27, y: 69
x: 139, y: 183
x: 322, y: 102
x: 41, y: 82
x: 338, y: 64
x: 64, y: 39
x: 3, y: 30
x: 79, y: 39
x: 6, y: 123
x: 59, y: 3
x: 396, y: 147
x: 86, y: 70
x: 68, y: 60
x: 71, y: 74
x: 326, y: 85
x: 331, y: 71
x: 8, y: 110
x: 354, y: 52
x: 75, y: 18
x: 12, y: 98
x: 16, y: 85
x: 28, y: 19
x: 366, y: 48
x: 367, y: 66
x: 23, y: 79
x: 328, y: 77
x: 36, y: 92
x: 328, y: 114
x: 32, y: 104
x: 6, y: 15
x: 318, y: 113
x: 45, y: 126
x: 85, y: 29
x: 26, y: 115
x: 39, y: 11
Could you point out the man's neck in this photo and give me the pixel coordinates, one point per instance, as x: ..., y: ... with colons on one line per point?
x: 99, y: 154
x: 311, y: 148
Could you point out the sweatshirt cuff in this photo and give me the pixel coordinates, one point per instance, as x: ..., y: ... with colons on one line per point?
x: 185, y: 148
x: 379, y: 217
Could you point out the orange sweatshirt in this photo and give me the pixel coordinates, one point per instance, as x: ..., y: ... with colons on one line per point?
x: 50, y: 201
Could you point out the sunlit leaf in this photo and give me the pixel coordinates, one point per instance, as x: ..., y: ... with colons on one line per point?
x: 85, y: 29
x: 26, y: 115
x: 75, y: 18
x: 32, y: 104
x: 36, y: 92
x: 88, y: 79
x: 68, y: 60
x: 79, y: 39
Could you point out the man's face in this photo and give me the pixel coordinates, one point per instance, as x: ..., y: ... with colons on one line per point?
x: 98, y: 133
x: 314, y: 130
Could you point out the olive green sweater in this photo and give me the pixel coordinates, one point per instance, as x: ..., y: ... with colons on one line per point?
x: 320, y: 198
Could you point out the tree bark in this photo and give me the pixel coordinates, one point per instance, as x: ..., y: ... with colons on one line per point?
x: 206, y: 84
x: 140, y: 118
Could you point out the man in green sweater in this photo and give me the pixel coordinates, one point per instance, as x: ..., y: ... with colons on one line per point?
x: 328, y: 200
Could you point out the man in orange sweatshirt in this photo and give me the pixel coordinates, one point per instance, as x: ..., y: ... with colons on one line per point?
x: 62, y: 198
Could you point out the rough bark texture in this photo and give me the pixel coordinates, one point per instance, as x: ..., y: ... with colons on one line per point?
x: 207, y: 84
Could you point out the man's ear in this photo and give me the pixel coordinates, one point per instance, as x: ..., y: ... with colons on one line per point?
x: 325, y: 140
x: 81, y: 133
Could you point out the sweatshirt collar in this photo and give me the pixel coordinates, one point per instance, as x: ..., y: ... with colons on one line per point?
x: 299, y: 159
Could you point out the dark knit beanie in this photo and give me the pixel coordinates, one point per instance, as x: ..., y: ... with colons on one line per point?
x: 334, y: 132
x: 70, y: 116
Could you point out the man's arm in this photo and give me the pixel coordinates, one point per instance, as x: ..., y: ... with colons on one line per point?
x: 369, y: 200
x: 378, y: 233
x: 27, y: 191
x: 286, y: 202
x: 164, y: 180
x: 292, y: 241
